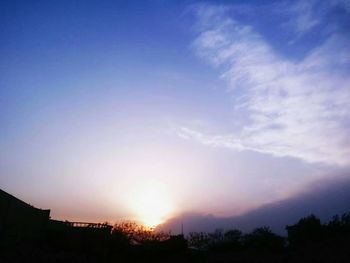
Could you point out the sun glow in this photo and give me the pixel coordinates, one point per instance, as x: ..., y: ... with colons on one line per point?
x: 151, y: 203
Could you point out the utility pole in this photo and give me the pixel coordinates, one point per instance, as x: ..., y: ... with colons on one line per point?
x: 182, y: 227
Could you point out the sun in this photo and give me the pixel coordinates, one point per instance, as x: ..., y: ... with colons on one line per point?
x: 151, y: 203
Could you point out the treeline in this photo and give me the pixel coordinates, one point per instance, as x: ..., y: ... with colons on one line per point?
x: 261, y: 238
x: 308, y: 240
x: 308, y: 231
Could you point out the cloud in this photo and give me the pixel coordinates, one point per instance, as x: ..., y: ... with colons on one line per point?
x: 302, y: 17
x: 298, y: 109
x: 301, y: 14
x: 324, y: 198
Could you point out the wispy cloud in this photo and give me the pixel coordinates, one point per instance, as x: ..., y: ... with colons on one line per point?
x: 297, y: 109
x: 301, y: 15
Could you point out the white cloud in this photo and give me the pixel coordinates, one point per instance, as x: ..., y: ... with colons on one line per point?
x: 303, y: 16
x: 301, y: 13
x: 298, y: 109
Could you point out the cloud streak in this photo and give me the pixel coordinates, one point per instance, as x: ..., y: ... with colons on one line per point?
x: 297, y: 109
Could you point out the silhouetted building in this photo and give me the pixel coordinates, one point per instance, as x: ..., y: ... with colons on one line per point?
x: 20, y: 221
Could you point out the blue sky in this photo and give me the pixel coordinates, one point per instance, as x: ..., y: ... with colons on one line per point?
x: 227, y: 105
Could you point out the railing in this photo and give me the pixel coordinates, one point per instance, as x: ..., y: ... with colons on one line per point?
x: 89, y: 225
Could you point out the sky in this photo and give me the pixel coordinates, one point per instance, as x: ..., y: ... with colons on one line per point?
x: 147, y: 110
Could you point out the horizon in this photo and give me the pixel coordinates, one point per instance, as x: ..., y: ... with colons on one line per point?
x: 156, y: 110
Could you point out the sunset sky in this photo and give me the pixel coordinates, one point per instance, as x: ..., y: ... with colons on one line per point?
x: 149, y: 109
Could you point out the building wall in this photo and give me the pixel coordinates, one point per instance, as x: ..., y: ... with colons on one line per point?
x: 20, y: 221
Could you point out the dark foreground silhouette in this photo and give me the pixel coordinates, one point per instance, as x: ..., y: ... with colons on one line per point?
x: 27, y: 234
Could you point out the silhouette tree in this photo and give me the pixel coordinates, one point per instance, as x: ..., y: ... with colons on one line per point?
x: 134, y: 233
x: 306, y: 232
x: 338, y: 232
x: 231, y: 240
x: 233, y: 236
x: 263, y: 238
x: 216, y: 237
x: 199, y: 240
